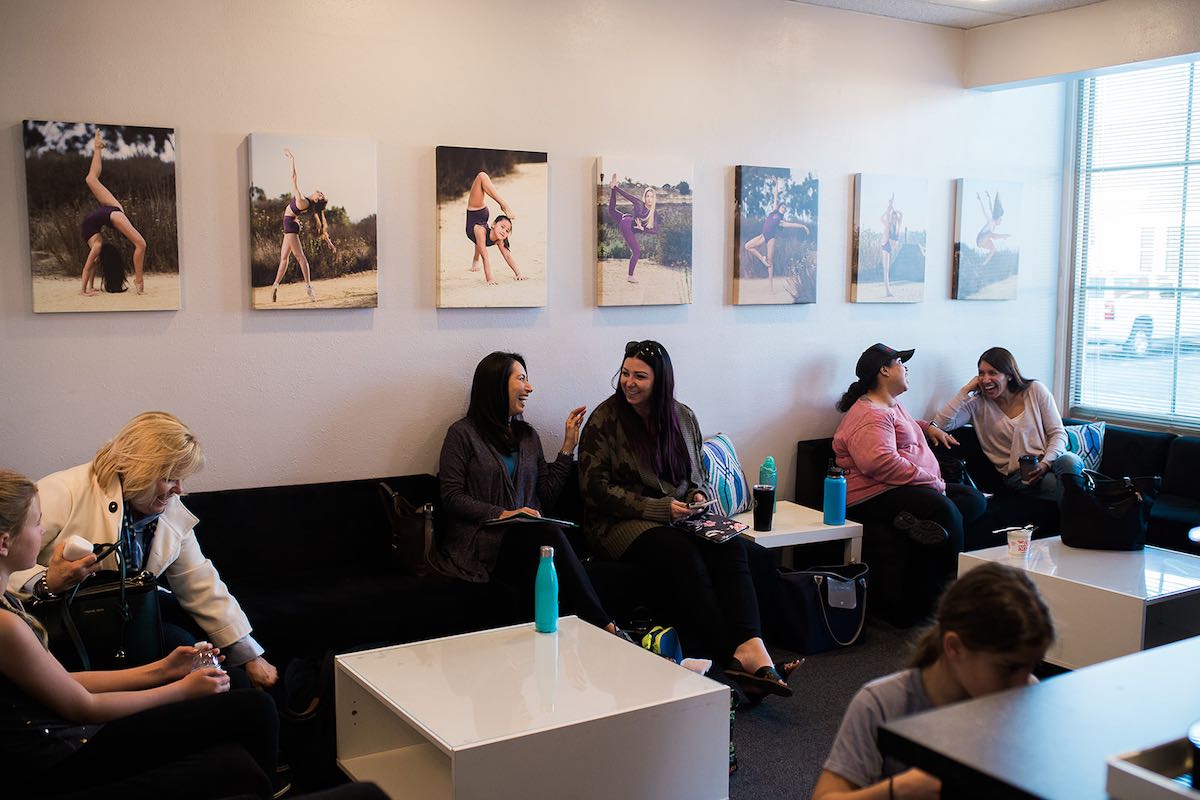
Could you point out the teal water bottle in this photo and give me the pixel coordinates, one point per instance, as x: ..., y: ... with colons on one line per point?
x: 545, y: 594
x: 835, y: 495
x: 767, y: 475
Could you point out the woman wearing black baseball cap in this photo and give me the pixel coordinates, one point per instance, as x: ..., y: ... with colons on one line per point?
x: 892, y: 475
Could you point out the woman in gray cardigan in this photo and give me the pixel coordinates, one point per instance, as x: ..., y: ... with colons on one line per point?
x: 492, y: 467
x: 639, y: 468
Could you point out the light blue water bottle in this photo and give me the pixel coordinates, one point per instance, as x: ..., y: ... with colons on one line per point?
x: 767, y: 475
x: 545, y: 594
x: 835, y: 495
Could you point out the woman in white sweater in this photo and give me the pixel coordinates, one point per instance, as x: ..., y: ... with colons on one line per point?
x: 1013, y: 416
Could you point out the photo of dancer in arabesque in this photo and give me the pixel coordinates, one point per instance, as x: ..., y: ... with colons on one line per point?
x: 775, y: 227
x: 102, y: 221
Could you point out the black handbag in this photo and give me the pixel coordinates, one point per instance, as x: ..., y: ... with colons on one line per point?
x: 823, y: 608
x: 1100, y: 513
x: 111, y: 621
x: 412, y: 535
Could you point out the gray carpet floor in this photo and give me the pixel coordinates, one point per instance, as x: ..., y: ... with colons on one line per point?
x: 782, y: 742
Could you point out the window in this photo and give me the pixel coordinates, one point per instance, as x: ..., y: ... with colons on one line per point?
x: 1135, y: 317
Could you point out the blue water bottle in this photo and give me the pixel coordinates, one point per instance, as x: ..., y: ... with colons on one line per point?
x: 767, y: 475
x: 545, y: 594
x: 835, y: 495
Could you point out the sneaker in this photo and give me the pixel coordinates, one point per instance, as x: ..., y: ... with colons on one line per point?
x: 921, y: 531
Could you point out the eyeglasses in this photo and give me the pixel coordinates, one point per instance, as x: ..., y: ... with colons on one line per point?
x: 649, y: 347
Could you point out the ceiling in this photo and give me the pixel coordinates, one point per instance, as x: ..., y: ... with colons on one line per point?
x: 953, y: 13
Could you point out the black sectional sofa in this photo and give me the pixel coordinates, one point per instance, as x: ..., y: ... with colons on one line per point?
x: 1127, y: 451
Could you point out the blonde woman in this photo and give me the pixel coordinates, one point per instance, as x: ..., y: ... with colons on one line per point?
x: 129, y: 493
x: 300, y: 204
x: 103, y: 732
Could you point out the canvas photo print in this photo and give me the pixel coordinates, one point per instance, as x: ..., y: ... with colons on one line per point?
x: 103, y: 233
x: 775, y: 227
x: 643, y: 232
x: 888, y: 249
x: 987, y: 242
x: 492, y: 211
x: 313, y: 213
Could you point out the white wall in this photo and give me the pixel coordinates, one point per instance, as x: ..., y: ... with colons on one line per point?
x: 1088, y: 39
x: 282, y: 397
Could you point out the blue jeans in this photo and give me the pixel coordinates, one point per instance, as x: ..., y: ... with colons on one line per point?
x: 1049, y: 487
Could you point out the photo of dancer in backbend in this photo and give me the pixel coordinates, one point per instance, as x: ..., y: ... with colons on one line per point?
x: 111, y: 213
x: 483, y: 235
x: 775, y: 220
x: 891, y: 241
x: 642, y: 219
x: 987, y: 236
x: 314, y: 205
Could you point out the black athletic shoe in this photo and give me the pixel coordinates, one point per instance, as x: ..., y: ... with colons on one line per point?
x: 921, y: 531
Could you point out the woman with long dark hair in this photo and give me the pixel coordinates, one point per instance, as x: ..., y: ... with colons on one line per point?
x: 892, y: 475
x: 1013, y: 416
x: 492, y: 468
x: 990, y: 631
x: 314, y: 205
x: 639, y: 468
x: 110, y: 213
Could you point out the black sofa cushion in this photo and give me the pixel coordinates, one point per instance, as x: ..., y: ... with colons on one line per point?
x: 1182, y: 473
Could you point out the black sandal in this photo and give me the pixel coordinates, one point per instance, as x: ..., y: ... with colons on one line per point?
x: 764, y: 681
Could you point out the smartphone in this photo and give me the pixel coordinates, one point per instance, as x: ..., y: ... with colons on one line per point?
x: 699, y: 504
x: 103, y: 551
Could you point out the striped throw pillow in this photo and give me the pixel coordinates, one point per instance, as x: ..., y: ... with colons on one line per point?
x: 724, y: 472
x: 1087, y: 442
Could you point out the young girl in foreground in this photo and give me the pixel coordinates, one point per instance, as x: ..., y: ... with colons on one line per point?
x: 991, y: 629
x: 122, y: 732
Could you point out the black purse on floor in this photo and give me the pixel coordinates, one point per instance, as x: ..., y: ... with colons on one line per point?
x: 110, y: 621
x: 1100, y: 513
x: 823, y: 608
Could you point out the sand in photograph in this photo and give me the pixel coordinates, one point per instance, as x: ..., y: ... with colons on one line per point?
x: 657, y: 285
x: 902, y: 292
x: 524, y: 189
x: 55, y: 294
x: 758, y: 291
x: 356, y: 290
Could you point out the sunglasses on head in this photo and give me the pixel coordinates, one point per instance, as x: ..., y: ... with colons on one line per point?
x: 649, y: 347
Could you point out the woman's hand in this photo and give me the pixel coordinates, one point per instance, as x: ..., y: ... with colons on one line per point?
x: 533, y: 512
x: 971, y: 386
x: 329, y: 244
x: 938, y: 437
x: 178, y: 662
x: 204, y: 682
x: 571, y: 431
x: 679, y: 510
x: 915, y: 784
x: 62, y: 574
x: 288, y: 153
x: 699, y: 497
x: 1039, y: 471
x: 262, y: 673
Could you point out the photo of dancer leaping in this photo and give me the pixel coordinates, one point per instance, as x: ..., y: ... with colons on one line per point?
x: 483, y: 235
x: 642, y: 219
x: 776, y: 219
x: 109, y: 213
x: 313, y: 205
x: 987, y: 236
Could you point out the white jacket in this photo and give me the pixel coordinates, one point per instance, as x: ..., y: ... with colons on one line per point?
x: 74, y: 503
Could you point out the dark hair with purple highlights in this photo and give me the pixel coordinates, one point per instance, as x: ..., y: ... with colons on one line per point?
x: 664, y: 449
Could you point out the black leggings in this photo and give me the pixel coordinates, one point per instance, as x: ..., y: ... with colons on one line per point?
x: 961, y: 504
x: 711, y: 593
x: 218, y: 745
x: 517, y: 563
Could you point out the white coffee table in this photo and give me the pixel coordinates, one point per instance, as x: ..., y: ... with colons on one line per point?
x: 1106, y: 603
x: 795, y: 524
x: 511, y: 713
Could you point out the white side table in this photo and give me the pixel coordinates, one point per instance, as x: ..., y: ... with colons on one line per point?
x: 796, y: 524
x: 1107, y: 603
x: 512, y: 713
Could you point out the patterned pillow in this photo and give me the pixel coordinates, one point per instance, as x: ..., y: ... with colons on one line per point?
x: 1087, y: 442
x: 724, y: 472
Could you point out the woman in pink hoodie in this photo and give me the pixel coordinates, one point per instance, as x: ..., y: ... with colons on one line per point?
x: 892, y: 475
